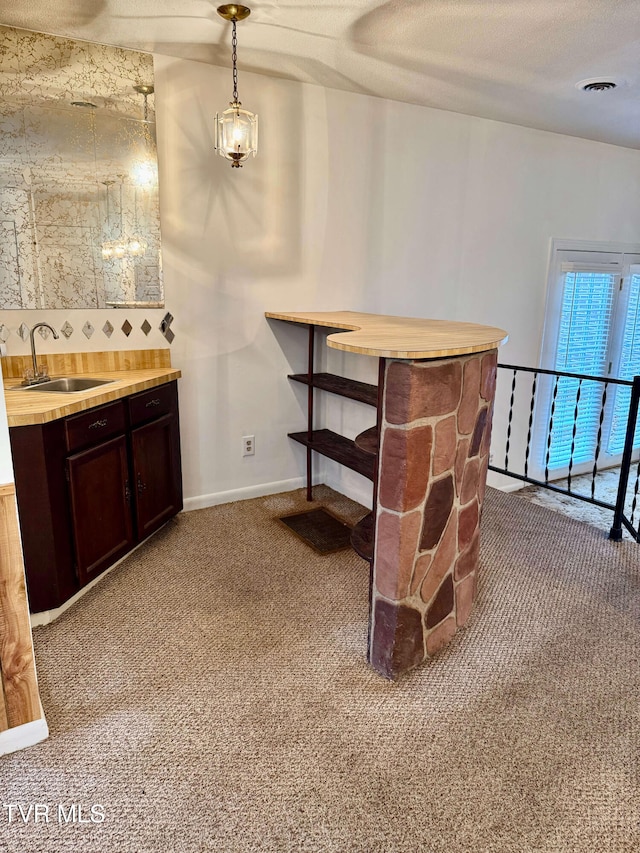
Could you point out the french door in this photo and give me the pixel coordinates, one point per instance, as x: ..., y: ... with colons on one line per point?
x: 592, y: 327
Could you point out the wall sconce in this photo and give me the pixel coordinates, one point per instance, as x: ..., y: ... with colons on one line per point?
x: 236, y: 129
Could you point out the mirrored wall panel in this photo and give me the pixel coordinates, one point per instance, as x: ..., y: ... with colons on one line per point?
x: 79, y: 212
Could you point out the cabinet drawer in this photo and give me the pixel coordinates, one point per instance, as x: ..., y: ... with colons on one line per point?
x: 152, y: 404
x: 95, y: 426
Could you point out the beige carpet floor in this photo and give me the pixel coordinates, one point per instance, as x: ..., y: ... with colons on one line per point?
x: 212, y: 695
x: 606, y: 489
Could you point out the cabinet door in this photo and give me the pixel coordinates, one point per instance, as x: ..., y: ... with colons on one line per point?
x: 157, y: 485
x: 100, y: 506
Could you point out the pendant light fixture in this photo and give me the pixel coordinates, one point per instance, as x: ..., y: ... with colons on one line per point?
x: 145, y: 170
x: 236, y: 129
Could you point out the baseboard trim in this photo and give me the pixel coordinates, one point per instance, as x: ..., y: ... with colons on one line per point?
x: 46, y: 617
x: 360, y: 492
x: 20, y: 737
x: 511, y: 487
x: 244, y: 493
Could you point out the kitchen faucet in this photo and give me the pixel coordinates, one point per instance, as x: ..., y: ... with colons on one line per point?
x: 38, y: 375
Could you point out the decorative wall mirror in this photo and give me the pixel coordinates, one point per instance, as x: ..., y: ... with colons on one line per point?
x: 79, y: 212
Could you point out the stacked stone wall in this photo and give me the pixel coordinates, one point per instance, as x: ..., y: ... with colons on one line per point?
x: 432, y: 467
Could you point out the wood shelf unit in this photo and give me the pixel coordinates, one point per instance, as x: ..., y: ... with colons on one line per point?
x: 338, y: 448
x: 360, y: 458
x: 362, y: 537
x: 369, y: 440
x: 324, y: 441
x: 363, y: 392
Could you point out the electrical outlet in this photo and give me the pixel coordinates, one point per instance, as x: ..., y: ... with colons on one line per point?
x: 491, y: 459
x: 248, y: 445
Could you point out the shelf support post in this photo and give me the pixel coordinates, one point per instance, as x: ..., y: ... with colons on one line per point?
x: 310, y: 411
x: 382, y: 363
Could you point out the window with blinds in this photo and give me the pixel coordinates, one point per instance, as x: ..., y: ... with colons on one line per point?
x: 629, y: 366
x: 592, y: 327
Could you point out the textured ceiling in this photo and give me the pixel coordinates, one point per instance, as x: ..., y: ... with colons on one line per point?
x: 511, y: 60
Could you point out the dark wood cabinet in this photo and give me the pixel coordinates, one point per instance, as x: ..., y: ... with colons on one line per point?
x: 156, y: 473
x: 100, y: 498
x: 155, y: 457
x: 93, y: 485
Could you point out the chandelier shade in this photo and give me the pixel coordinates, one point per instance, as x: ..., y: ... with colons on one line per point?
x: 236, y: 134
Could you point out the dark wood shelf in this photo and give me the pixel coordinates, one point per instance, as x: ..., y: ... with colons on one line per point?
x: 367, y: 441
x: 338, y: 448
x: 362, y: 537
x: 361, y: 391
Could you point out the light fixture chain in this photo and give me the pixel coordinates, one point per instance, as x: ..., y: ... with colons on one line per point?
x: 234, y: 59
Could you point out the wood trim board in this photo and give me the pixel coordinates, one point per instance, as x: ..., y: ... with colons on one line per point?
x: 17, y: 664
x: 66, y: 363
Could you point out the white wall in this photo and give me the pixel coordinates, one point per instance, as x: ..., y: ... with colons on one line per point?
x: 352, y: 203
x: 6, y: 463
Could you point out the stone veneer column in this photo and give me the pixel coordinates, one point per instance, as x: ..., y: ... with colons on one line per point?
x: 434, y: 452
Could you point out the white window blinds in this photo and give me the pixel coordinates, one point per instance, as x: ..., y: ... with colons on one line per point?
x: 583, y: 346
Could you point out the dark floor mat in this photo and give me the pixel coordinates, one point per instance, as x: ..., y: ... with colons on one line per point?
x: 318, y: 528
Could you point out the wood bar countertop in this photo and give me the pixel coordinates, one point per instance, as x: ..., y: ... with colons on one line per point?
x: 131, y: 371
x: 398, y: 337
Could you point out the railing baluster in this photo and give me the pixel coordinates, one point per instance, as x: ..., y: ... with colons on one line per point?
x: 598, y: 440
x: 618, y: 516
x: 513, y: 394
x: 550, y: 430
x: 573, y: 435
x: 531, y: 407
x: 635, y: 494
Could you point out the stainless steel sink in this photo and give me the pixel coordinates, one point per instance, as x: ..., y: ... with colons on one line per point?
x: 68, y: 384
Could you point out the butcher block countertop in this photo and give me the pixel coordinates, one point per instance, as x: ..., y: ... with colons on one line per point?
x: 398, y: 337
x: 131, y: 370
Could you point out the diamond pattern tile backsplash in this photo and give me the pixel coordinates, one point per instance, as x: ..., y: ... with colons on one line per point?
x: 165, y: 327
x: 108, y: 329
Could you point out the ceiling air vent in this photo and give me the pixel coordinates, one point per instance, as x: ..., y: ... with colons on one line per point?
x: 600, y: 86
x: 597, y: 85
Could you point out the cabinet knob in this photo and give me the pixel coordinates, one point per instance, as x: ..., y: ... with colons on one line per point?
x: 127, y: 492
x: 141, y: 486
